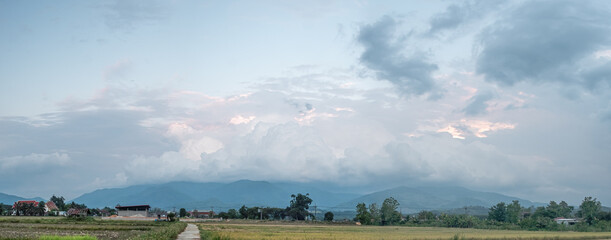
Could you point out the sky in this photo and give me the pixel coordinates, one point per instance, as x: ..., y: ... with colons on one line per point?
x: 511, y: 97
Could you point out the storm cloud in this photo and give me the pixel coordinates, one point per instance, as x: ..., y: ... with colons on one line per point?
x: 543, y: 41
x: 384, y: 54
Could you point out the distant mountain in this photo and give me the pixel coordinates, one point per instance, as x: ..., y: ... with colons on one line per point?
x: 10, y: 199
x: 222, y: 196
x: 414, y: 199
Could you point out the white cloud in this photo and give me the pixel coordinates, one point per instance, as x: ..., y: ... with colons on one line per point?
x: 241, y: 120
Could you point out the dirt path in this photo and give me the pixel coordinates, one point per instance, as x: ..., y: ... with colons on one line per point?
x: 191, y: 232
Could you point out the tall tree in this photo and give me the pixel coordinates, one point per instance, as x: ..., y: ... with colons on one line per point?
x: 589, y: 209
x: 243, y: 212
x: 362, y: 214
x: 40, y: 209
x: 513, y: 212
x: 498, y: 212
x: 374, y: 211
x: 328, y: 216
x: 299, y: 206
x: 389, y: 213
x: 182, y: 212
x: 59, y: 202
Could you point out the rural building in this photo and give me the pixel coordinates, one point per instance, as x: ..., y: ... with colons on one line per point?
x: 50, y: 206
x: 78, y: 212
x: 23, y: 202
x: 133, y: 211
x: 566, y: 221
x: 201, y: 214
x: 35, y: 203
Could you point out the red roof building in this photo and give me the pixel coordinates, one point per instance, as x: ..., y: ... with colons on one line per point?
x: 50, y: 206
x: 35, y: 203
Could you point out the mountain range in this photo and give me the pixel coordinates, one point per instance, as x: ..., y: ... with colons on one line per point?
x: 223, y: 196
x: 10, y: 199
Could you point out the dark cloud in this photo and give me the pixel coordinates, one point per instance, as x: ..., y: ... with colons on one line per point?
x: 597, y: 76
x: 478, y: 104
x: 383, y: 54
x: 456, y: 15
x: 542, y: 41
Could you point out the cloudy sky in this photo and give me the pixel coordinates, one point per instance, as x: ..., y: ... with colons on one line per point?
x: 511, y: 97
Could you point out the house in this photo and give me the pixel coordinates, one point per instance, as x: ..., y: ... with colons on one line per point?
x: 566, y: 221
x: 133, y: 211
x: 202, y: 214
x: 78, y: 212
x: 50, y: 206
x: 35, y: 203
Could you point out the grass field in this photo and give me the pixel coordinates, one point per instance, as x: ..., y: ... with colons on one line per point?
x: 50, y: 227
x: 339, y: 232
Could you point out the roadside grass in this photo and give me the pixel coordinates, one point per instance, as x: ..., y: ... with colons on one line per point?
x: 67, y: 238
x: 88, y: 228
x: 258, y: 231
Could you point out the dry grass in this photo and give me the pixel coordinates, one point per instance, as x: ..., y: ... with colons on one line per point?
x: 339, y: 232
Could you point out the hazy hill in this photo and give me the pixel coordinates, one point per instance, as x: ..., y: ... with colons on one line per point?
x: 204, y: 195
x: 10, y: 199
x: 434, y: 198
x: 222, y: 196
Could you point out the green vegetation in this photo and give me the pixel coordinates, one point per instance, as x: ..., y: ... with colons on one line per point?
x: 297, y: 210
x: 328, y: 216
x: 65, y: 228
x: 67, y: 238
x: 502, y: 216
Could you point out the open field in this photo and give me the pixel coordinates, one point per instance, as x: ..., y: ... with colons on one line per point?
x: 35, y: 227
x: 338, y: 232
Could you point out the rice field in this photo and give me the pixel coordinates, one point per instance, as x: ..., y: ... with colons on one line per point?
x: 62, y: 228
x: 339, y: 232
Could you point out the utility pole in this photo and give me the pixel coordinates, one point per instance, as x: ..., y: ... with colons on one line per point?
x: 211, y: 212
x: 314, y: 212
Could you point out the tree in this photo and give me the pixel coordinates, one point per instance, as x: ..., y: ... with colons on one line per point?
x: 59, y: 202
x: 182, y: 212
x: 75, y: 205
x: 565, y: 210
x: 172, y: 217
x: 498, y: 213
x: 111, y: 211
x: 389, y: 213
x: 328, y: 216
x: 232, y: 214
x: 374, y: 211
x: 299, y: 206
x: 513, y: 212
x: 362, y: 214
x: 40, y: 209
x: 425, y: 216
x: 243, y: 212
x: 588, y: 210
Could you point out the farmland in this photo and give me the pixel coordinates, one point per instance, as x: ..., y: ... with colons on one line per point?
x: 271, y: 231
x: 36, y: 227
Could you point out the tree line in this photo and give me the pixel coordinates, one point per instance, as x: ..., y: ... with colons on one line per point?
x: 298, y: 209
x: 588, y: 217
